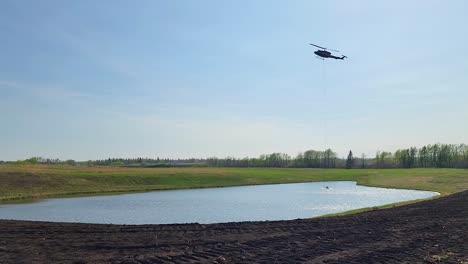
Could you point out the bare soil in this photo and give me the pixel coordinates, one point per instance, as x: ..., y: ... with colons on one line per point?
x: 434, y: 231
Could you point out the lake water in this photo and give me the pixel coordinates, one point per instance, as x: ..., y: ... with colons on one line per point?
x: 213, y: 205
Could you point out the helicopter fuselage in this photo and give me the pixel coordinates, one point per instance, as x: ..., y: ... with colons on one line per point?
x: 327, y: 54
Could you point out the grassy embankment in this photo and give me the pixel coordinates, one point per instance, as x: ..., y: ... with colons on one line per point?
x: 26, y: 182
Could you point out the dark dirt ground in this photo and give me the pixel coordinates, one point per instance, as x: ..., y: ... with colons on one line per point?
x: 434, y: 231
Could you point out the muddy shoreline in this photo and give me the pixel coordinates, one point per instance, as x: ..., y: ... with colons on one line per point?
x: 433, y: 231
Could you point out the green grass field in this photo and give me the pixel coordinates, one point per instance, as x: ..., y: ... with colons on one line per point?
x: 23, y: 182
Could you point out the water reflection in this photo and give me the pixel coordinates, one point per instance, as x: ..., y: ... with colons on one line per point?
x: 213, y: 205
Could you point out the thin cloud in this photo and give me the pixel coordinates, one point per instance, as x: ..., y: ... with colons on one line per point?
x: 8, y: 84
x: 44, y: 93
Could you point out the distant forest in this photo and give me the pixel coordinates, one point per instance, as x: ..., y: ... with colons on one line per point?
x: 430, y: 156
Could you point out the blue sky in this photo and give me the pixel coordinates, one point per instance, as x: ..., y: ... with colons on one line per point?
x: 97, y: 79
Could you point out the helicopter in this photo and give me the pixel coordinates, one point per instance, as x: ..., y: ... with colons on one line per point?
x: 325, y: 53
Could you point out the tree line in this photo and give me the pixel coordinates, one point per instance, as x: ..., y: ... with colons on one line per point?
x: 433, y: 156
x: 308, y: 159
x: 430, y: 156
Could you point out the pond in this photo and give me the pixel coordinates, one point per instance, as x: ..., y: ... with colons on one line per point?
x: 213, y: 205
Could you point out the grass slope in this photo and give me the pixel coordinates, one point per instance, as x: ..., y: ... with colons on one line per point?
x: 42, y: 181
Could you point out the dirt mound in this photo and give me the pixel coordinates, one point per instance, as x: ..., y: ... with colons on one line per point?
x: 434, y: 231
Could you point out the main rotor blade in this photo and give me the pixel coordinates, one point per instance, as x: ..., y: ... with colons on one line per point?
x: 318, y: 46
x: 324, y: 48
